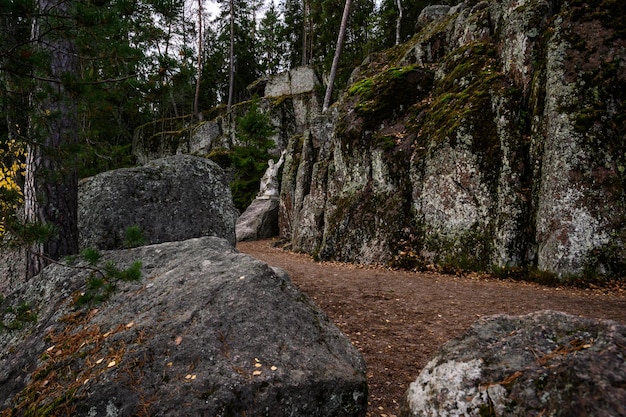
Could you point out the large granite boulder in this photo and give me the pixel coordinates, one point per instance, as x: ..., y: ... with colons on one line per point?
x: 259, y: 221
x: 546, y: 363
x: 207, y: 331
x: 173, y: 198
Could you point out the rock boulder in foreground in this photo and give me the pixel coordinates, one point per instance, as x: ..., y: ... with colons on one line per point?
x: 541, y: 364
x: 207, y: 331
x: 174, y: 198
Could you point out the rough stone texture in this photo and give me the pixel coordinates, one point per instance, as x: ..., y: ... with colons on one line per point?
x: 206, y: 332
x: 13, y: 267
x: 259, y: 221
x: 546, y: 363
x: 432, y: 13
x: 304, y: 185
x: 170, y: 199
x: 204, y: 138
x: 293, y: 82
x: 494, y: 138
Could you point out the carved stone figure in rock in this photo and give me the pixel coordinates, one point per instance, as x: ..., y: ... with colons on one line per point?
x: 269, y: 181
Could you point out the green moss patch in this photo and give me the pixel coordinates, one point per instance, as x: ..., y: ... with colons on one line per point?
x: 466, y: 251
x: 381, y: 96
x: 462, y: 100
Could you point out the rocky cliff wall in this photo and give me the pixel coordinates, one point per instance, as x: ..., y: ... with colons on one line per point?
x: 494, y: 138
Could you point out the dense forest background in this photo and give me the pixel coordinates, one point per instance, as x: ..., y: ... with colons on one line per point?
x: 144, y: 60
x: 77, y: 77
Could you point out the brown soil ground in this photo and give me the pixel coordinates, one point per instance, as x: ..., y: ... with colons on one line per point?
x: 398, y: 319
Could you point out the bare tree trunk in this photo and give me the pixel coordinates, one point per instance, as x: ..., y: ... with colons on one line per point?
x: 333, y: 69
x: 311, y: 37
x: 231, y: 70
x: 305, y: 32
x: 51, y: 184
x: 399, y: 21
x: 196, y: 100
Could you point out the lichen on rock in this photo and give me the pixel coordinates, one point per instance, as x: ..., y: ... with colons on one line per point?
x: 498, y: 126
x: 542, y: 363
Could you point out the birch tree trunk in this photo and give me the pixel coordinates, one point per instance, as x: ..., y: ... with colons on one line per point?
x: 333, y: 69
x: 231, y: 69
x: 399, y: 21
x: 196, y: 99
x: 51, y: 183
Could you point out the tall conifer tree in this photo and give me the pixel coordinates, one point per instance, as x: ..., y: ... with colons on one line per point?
x: 51, y: 185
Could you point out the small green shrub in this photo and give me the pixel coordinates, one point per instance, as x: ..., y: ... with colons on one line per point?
x: 134, y: 237
x: 103, y: 280
x: 91, y: 255
x: 255, y: 127
x: 131, y: 274
x: 21, y: 315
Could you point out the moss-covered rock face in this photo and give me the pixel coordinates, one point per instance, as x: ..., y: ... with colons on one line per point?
x: 378, y: 100
x: 579, y: 198
x: 494, y: 138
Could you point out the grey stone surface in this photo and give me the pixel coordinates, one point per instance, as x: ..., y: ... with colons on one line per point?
x: 545, y: 363
x: 293, y: 82
x: 207, y: 331
x: 432, y: 13
x: 204, y: 138
x: 259, y: 221
x: 511, y: 155
x: 170, y: 199
x: 13, y: 266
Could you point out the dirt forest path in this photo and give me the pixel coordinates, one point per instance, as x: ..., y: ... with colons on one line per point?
x: 398, y: 320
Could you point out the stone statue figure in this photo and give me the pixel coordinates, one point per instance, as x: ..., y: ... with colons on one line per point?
x: 269, y: 181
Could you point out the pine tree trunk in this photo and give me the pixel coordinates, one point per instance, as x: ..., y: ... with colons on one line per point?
x: 305, y: 32
x: 333, y: 70
x: 51, y: 184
